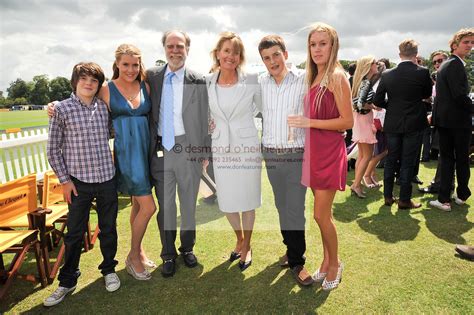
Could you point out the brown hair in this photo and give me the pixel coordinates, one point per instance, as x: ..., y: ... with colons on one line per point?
x: 186, y: 37
x: 236, y: 42
x: 459, y: 35
x: 87, y: 68
x: 408, y: 48
x: 439, y: 52
x: 131, y: 50
x: 270, y: 41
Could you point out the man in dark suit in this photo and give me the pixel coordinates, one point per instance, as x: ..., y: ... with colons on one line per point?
x: 178, y: 133
x: 452, y: 118
x: 405, y: 86
x: 437, y: 58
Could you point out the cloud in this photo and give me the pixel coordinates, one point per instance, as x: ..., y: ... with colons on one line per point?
x: 49, y: 37
x: 61, y: 49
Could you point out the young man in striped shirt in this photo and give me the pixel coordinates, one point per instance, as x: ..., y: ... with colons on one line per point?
x: 78, y: 151
x: 283, y: 91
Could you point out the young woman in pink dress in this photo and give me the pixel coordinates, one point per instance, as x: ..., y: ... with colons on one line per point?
x: 363, y: 132
x: 328, y: 111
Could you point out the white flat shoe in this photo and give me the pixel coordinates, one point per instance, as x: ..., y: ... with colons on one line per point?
x: 149, y: 264
x: 331, y: 285
x: 142, y: 276
x: 319, y: 276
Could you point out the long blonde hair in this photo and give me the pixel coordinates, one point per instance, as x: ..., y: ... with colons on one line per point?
x: 363, y: 68
x: 131, y: 50
x: 333, y: 62
x: 237, y: 44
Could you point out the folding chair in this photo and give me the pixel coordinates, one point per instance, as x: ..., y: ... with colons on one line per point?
x: 17, y: 200
x: 53, y: 201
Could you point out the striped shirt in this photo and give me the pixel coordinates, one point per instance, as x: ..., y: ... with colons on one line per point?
x: 78, y: 141
x: 279, y: 101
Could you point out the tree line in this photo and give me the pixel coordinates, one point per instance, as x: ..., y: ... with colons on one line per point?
x: 39, y: 91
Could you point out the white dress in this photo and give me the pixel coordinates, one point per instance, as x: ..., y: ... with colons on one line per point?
x: 237, y: 161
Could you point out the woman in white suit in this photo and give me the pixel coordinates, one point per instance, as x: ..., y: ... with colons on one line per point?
x: 234, y: 99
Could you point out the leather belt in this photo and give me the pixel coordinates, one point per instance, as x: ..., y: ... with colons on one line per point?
x: 283, y: 151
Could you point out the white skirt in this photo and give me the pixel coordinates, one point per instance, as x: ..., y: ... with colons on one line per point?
x: 238, y: 181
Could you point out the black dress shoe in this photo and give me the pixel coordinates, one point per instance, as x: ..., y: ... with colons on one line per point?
x: 169, y: 268
x: 190, y: 259
x: 416, y: 180
x: 465, y: 251
x: 428, y: 190
x: 210, y: 200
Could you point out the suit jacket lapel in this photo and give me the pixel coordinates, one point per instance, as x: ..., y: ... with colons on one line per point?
x: 212, y: 90
x: 188, y: 89
x: 240, y: 92
x: 158, y: 80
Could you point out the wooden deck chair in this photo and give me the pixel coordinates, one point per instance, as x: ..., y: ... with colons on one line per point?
x: 23, y: 192
x: 18, y: 199
x: 51, y: 199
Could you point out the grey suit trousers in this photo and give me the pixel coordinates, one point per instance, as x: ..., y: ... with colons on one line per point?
x: 173, y: 172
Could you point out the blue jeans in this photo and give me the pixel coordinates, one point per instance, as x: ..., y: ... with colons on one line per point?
x: 107, y: 207
x: 403, y: 147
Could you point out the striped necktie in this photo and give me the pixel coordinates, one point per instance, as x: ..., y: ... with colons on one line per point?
x: 168, y: 113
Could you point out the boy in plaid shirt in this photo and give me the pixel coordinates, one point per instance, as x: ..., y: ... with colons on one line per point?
x: 78, y: 151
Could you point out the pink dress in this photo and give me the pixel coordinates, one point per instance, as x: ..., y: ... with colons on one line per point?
x: 364, y: 128
x: 325, y: 158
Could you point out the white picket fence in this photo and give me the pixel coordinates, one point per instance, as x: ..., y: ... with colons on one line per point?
x: 23, y: 153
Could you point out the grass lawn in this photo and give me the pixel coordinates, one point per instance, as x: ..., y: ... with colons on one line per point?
x: 22, y: 119
x: 396, y: 262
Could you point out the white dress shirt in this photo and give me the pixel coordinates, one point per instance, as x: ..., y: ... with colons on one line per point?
x: 279, y: 101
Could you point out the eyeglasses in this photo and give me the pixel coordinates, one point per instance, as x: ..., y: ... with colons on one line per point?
x: 435, y: 61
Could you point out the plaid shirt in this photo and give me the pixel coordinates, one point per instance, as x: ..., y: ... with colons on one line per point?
x: 78, y: 141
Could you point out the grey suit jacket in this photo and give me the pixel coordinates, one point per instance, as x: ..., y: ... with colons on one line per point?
x: 195, y: 109
x: 238, y: 130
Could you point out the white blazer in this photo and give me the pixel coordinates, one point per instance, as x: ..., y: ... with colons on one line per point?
x: 238, y: 130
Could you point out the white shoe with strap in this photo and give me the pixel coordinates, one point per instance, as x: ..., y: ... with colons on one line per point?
x: 331, y: 285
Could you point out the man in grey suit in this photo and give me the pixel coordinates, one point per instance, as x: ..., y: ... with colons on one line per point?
x: 178, y: 133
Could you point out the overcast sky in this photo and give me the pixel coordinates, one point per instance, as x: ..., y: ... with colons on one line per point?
x: 49, y: 37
